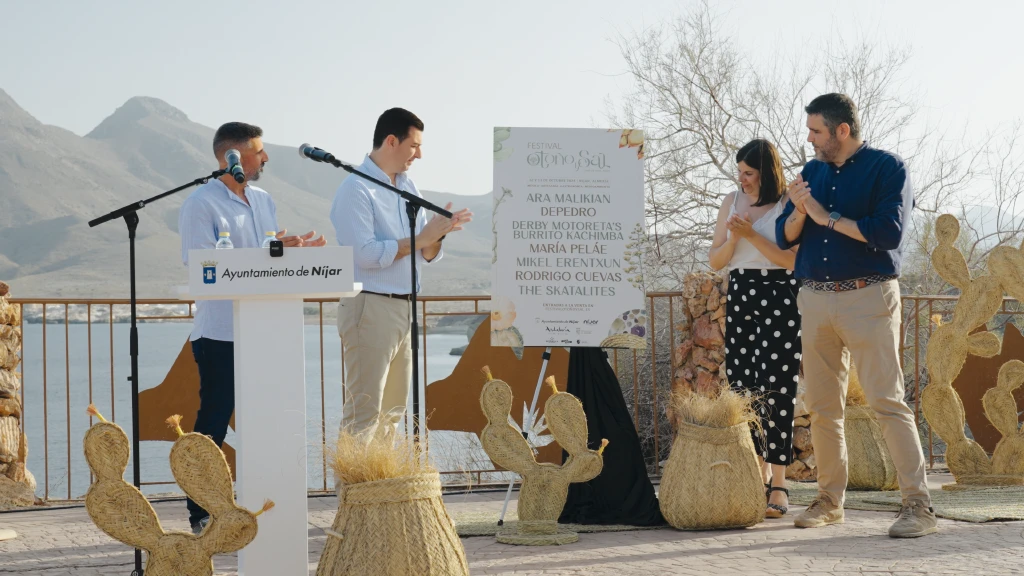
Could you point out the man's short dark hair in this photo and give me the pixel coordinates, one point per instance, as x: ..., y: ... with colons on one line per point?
x: 836, y: 109
x: 234, y: 134
x: 395, y: 122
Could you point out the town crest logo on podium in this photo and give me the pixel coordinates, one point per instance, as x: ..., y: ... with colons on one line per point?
x: 209, y: 272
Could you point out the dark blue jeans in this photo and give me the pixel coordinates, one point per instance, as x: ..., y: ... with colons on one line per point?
x: 216, y: 360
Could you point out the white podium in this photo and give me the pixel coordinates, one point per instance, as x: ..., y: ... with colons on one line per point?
x: 270, y: 390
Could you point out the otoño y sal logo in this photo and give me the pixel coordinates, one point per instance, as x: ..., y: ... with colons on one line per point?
x: 585, y: 160
x: 209, y: 272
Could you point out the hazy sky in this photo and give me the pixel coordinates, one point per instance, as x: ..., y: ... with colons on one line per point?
x: 322, y: 72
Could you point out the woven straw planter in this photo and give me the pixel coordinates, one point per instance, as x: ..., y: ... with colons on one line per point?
x: 712, y: 480
x: 870, y: 465
x: 393, y: 527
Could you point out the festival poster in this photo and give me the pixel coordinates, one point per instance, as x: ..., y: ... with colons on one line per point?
x: 568, y: 223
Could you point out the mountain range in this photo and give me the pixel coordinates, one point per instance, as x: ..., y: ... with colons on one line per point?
x: 52, y: 182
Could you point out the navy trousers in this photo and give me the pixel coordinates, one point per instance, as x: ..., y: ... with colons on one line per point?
x: 216, y: 360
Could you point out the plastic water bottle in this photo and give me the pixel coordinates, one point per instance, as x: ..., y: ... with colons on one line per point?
x: 225, y: 241
x: 269, y: 237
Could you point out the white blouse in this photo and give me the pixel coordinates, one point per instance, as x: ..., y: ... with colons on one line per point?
x: 746, y: 255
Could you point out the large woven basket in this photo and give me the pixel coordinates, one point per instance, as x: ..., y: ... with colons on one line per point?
x: 393, y: 527
x: 870, y: 465
x: 712, y: 479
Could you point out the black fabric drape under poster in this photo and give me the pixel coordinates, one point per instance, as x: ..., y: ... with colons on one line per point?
x: 622, y: 493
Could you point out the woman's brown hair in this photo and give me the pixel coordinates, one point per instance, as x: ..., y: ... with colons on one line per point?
x: 761, y: 155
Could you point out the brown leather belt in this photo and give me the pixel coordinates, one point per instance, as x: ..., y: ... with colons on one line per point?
x: 857, y: 285
x: 405, y: 297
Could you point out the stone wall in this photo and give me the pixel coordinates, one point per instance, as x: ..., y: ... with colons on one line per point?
x: 699, y: 358
x: 17, y: 485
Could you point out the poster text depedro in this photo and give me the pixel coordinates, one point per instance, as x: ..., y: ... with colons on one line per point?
x: 568, y: 227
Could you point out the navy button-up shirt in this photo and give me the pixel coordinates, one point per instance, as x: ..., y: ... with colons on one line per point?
x: 873, y: 188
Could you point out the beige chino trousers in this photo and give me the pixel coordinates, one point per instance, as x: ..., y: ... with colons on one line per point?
x: 863, y: 324
x: 376, y: 336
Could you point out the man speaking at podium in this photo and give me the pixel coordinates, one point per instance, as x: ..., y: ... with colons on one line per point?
x: 375, y: 325
x: 229, y: 204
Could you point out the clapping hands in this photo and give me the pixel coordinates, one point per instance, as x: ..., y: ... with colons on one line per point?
x: 799, y: 192
x: 304, y: 241
x: 740, y: 226
x: 439, y: 226
x: 800, y: 195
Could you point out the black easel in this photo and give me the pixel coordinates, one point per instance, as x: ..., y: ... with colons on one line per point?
x: 131, y: 218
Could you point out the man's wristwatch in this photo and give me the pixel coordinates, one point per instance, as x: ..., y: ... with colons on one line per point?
x: 832, y: 219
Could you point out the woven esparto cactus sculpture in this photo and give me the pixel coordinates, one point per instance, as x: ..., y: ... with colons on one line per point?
x: 950, y: 344
x: 120, y: 510
x: 545, y: 486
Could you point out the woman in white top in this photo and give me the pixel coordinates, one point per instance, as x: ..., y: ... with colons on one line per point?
x: 762, y: 325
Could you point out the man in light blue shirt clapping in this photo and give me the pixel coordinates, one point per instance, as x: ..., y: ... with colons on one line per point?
x: 246, y: 213
x: 375, y: 325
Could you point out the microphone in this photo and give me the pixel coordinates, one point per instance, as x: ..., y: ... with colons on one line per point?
x: 317, y: 154
x: 234, y: 160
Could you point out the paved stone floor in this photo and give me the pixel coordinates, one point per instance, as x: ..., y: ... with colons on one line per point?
x: 64, y: 541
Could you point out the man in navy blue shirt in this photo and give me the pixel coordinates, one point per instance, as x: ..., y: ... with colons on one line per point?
x: 849, y: 211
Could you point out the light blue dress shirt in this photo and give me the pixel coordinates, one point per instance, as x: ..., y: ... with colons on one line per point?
x: 372, y: 220
x: 207, y: 212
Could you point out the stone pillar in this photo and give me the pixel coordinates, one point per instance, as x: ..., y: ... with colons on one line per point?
x: 699, y: 357
x: 17, y: 485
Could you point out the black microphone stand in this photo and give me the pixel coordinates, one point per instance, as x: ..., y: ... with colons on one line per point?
x: 131, y: 218
x: 413, y: 204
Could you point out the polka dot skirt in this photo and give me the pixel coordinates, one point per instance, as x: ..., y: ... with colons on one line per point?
x: 762, y: 353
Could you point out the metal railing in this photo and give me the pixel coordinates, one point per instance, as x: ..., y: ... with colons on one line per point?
x: 645, y: 376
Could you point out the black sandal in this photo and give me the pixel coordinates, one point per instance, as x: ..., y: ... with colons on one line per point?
x: 777, y: 510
